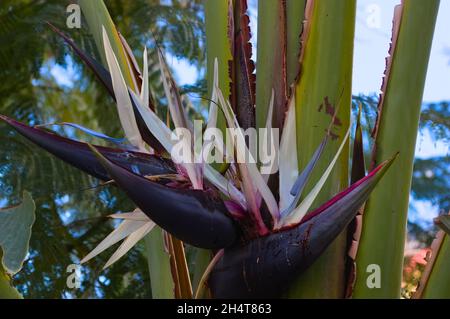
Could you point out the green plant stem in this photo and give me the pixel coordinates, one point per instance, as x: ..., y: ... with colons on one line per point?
x: 385, y: 215
x: 295, y: 15
x: 6, y: 290
x: 97, y: 16
x: 159, y: 265
x: 271, y: 63
x: 438, y: 283
x: 324, y: 89
x: 218, y: 45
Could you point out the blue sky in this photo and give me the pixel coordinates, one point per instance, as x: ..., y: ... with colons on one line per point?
x: 372, y: 38
x: 372, y: 43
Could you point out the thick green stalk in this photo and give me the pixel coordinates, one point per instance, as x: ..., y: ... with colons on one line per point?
x: 97, y: 15
x: 271, y: 61
x: 438, y: 284
x: 384, y: 223
x: 324, y: 89
x: 159, y: 265
x: 6, y: 290
x: 295, y: 15
x: 218, y: 45
x: 202, y: 260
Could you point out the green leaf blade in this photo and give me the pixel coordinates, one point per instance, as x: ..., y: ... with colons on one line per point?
x: 98, y: 17
x: 438, y: 283
x: 324, y: 91
x: 15, y: 233
x: 385, y: 214
x: 295, y: 15
x: 159, y: 265
x: 271, y: 62
x: 218, y: 45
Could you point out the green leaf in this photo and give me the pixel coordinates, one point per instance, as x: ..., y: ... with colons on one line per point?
x: 438, y: 286
x: 97, y: 17
x: 218, y: 45
x: 385, y: 213
x: 295, y: 15
x: 159, y: 265
x: 435, y: 280
x: 15, y: 233
x: 202, y: 260
x: 324, y: 91
x: 444, y: 223
x: 271, y: 61
x: 201, y: 290
x: 6, y: 290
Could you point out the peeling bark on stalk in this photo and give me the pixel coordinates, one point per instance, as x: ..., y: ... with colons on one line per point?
x: 435, y: 280
x: 242, y: 68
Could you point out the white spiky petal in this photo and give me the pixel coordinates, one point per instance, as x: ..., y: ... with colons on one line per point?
x: 134, y: 227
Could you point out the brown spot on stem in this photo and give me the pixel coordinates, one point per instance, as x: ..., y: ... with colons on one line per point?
x: 332, y: 135
x: 330, y: 109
